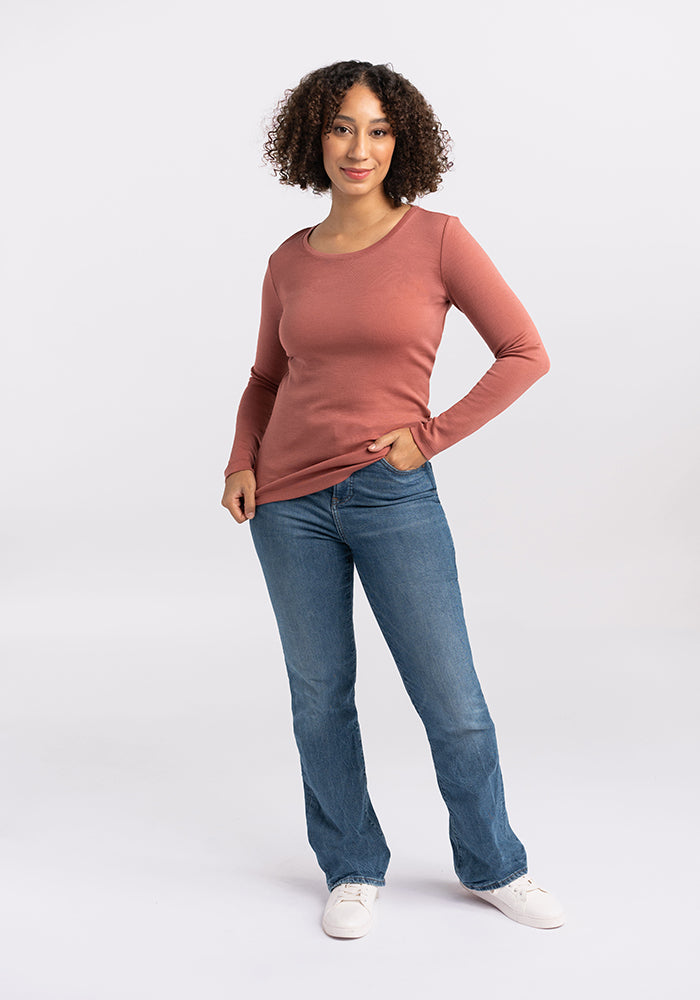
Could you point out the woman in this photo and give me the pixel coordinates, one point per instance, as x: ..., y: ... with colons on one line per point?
x: 331, y: 467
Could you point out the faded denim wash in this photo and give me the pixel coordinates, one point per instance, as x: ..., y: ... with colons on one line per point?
x: 389, y: 524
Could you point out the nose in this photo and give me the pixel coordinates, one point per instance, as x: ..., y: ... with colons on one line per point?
x: 358, y: 147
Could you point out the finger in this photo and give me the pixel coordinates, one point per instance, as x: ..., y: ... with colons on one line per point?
x: 233, y: 502
x: 382, y: 442
x: 237, y: 511
x: 249, y: 504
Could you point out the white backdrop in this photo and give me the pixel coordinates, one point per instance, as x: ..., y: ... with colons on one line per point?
x: 153, y: 830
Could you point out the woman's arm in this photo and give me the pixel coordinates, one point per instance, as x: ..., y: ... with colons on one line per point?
x: 266, y: 374
x: 478, y: 290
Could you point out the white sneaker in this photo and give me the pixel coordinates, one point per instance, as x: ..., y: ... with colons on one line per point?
x: 524, y: 901
x: 349, y: 910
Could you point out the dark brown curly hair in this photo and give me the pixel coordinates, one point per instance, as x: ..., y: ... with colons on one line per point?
x: 306, y: 112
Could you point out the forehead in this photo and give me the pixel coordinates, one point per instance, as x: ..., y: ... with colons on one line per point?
x: 361, y: 103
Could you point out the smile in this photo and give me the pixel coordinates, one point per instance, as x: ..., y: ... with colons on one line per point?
x: 356, y: 174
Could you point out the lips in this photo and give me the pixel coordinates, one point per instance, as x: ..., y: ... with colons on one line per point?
x: 357, y: 175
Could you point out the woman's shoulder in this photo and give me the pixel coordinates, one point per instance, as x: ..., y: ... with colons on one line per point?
x: 291, y: 242
x: 289, y: 250
x: 439, y: 223
x: 429, y: 223
x: 431, y: 229
x: 430, y: 217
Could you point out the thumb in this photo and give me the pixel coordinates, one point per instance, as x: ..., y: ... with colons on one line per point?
x: 382, y: 442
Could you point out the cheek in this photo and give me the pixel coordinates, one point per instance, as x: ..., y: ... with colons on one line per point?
x: 330, y: 150
x: 326, y: 150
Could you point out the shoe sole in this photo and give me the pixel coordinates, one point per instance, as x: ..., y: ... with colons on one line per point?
x: 542, y: 923
x: 347, y: 932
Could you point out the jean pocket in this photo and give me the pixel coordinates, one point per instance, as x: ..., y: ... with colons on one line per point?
x: 404, y: 472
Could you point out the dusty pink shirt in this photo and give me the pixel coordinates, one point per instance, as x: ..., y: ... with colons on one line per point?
x: 347, y: 345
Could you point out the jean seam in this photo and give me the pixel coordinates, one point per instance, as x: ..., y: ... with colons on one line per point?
x: 499, y: 883
x: 336, y: 503
x: 357, y: 879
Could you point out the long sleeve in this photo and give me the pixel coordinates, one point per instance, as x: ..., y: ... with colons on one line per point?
x: 259, y: 396
x: 479, y: 291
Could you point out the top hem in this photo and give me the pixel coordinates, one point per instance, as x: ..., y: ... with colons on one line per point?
x: 272, y: 494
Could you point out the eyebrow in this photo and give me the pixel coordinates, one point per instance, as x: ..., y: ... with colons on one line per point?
x: 374, y: 121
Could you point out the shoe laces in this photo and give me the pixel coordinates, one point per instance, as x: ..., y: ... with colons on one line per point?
x: 353, y: 892
x: 522, y: 885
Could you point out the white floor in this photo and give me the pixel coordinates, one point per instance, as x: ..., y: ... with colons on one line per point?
x: 153, y: 843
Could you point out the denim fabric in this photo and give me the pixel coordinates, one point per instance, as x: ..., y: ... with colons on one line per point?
x: 389, y: 524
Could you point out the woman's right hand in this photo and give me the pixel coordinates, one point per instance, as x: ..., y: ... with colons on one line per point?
x: 239, y: 494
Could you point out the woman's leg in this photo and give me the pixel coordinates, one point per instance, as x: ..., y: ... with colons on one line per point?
x: 308, y: 570
x: 404, y: 553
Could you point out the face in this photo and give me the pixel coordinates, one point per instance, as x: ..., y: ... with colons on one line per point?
x: 357, y: 151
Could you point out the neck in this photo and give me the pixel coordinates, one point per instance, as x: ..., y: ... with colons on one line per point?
x: 351, y: 214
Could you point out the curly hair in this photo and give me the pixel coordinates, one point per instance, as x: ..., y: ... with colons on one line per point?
x: 307, y: 111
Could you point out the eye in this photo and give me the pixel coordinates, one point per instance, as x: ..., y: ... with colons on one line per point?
x: 380, y: 131
x: 339, y: 128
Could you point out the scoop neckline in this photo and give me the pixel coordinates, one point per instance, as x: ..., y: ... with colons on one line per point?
x: 353, y: 253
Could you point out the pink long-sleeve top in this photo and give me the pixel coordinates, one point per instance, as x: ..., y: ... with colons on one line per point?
x: 347, y: 344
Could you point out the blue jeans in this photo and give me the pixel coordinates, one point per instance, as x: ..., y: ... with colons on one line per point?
x: 389, y: 524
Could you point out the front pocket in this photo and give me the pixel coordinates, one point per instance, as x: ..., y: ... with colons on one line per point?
x: 402, y: 472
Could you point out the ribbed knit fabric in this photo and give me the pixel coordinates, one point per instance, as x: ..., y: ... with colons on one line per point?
x: 347, y: 345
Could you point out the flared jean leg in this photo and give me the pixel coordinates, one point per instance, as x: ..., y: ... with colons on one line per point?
x: 309, y: 573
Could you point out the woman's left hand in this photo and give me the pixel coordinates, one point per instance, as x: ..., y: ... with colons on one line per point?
x: 404, y: 453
